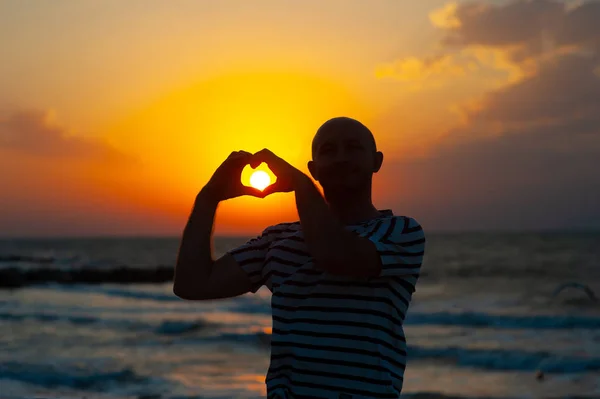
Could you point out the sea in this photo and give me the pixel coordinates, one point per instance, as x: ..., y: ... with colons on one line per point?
x: 495, y: 315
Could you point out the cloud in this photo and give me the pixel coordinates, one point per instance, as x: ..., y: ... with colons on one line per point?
x: 513, y: 36
x: 32, y: 132
x: 566, y: 89
x: 445, y: 17
x: 525, y: 154
x: 525, y: 28
x: 536, y: 179
x: 413, y: 69
x: 526, y: 159
x: 502, y: 25
x: 580, y: 26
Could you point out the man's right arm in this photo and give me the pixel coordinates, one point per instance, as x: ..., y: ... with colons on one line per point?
x: 197, y: 276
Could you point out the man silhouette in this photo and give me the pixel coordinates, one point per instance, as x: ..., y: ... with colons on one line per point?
x: 341, y: 278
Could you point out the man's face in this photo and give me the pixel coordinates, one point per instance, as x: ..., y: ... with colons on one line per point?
x: 344, y: 159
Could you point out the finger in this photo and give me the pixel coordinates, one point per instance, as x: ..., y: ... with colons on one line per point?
x: 240, y: 157
x: 240, y: 154
x: 272, y: 189
x: 264, y: 155
x: 255, y: 163
x: 254, y: 192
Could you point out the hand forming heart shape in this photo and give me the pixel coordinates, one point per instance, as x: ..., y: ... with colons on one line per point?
x: 259, y: 177
x: 226, y: 182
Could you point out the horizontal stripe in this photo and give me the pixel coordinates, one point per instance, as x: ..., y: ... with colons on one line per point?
x: 340, y: 389
x: 295, y: 238
x: 344, y: 323
x: 406, y: 285
x: 289, y: 262
x: 319, y: 334
x: 280, y: 297
x: 289, y: 251
x: 305, y: 392
x: 297, y: 272
x: 333, y: 309
x: 272, y: 391
x: 320, y: 373
x: 345, y: 333
x: 318, y: 295
x: 250, y: 247
x: 283, y: 382
x: 346, y: 350
x: 413, y: 229
x: 279, y: 229
x: 412, y: 243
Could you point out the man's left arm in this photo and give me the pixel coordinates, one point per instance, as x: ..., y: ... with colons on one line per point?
x: 339, y: 251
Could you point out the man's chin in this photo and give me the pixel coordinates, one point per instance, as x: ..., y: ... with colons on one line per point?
x: 341, y: 187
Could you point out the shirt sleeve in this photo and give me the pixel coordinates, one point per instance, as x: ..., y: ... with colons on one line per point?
x: 252, y: 255
x: 400, y: 242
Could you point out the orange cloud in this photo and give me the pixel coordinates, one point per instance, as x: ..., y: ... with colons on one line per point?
x: 33, y: 132
x: 445, y: 17
x: 427, y: 71
x: 514, y: 37
x: 528, y: 147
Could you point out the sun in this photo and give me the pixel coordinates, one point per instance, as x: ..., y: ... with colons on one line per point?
x: 260, y: 179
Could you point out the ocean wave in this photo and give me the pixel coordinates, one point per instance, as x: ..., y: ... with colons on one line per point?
x: 437, y: 395
x: 411, y: 395
x: 26, y: 258
x: 507, y: 360
x: 52, y: 376
x: 202, y: 332
x: 472, y: 319
x: 45, y: 317
x: 22, y: 270
x: 81, y: 320
x: 13, y: 277
x: 465, y: 319
x: 165, y: 327
x: 174, y: 327
x: 114, y: 292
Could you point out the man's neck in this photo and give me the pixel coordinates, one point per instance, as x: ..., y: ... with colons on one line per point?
x: 353, y: 209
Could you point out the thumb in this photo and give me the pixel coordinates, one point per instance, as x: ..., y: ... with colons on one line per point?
x: 271, y: 189
x: 254, y: 192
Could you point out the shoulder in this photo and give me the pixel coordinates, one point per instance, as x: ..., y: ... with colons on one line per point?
x: 277, y: 230
x: 401, y: 222
x: 396, y: 229
x: 410, y: 224
x: 407, y: 231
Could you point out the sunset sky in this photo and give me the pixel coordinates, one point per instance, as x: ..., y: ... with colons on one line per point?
x: 114, y: 114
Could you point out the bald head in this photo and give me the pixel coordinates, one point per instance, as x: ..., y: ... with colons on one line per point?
x: 343, y: 126
x: 344, y: 158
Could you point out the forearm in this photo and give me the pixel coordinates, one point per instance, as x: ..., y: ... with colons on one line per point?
x: 334, y: 248
x: 194, y: 259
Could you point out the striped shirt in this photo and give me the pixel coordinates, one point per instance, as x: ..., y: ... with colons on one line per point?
x: 336, y: 336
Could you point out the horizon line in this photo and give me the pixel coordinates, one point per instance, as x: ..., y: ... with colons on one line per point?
x: 249, y: 235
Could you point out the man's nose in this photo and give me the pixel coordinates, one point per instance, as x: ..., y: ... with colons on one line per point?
x: 341, y: 155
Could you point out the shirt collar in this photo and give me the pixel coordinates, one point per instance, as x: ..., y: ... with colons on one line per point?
x: 382, y: 213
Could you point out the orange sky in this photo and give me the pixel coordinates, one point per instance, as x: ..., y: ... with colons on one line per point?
x: 113, y: 116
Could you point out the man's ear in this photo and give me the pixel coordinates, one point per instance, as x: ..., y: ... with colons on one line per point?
x: 378, y: 161
x: 313, y: 170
